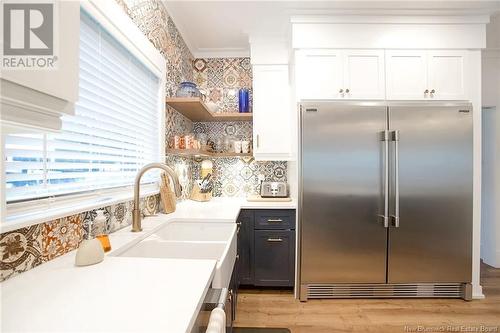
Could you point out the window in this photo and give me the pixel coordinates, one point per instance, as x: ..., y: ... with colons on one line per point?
x: 114, y: 132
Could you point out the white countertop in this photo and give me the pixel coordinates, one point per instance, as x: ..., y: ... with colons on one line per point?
x: 120, y: 294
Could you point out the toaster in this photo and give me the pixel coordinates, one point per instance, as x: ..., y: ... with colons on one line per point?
x: 274, y: 190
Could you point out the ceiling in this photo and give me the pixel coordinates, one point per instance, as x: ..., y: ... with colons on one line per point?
x: 222, y: 28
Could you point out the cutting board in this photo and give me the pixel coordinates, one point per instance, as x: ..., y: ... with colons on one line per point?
x: 258, y: 198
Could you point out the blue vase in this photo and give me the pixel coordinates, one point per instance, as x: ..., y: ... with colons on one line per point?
x: 243, y: 100
x: 187, y: 89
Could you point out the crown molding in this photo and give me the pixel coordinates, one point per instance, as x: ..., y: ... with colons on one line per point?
x: 222, y: 53
x: 390, y: 19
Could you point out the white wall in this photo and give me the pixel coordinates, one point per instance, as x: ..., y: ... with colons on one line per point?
x: 490, y: 231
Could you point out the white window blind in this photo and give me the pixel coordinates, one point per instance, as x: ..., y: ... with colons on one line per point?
x: 114, y: 132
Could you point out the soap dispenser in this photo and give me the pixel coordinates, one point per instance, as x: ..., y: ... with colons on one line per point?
x: 90, y: 251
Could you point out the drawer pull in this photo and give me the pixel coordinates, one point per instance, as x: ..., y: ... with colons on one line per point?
x: 274, y: 220
x: 274, y: 239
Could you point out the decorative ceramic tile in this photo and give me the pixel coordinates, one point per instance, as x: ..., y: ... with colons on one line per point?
x: 215, y: 95
x: 61, y: 236
x: 235, y: 177
x: 151, y: 205
x: 230, y: 78
x: 200, y: 79
x: 224, y: 78
x: 121, y: 216
x: 200, y: 65
x: 245, y: 64
x: 215, y: 77
x: 235, y: 129
x: 20, y: 251
x: 183, y: 167
x: 97, y: 228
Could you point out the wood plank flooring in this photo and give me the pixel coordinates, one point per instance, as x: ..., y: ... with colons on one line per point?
x: 265, y: 308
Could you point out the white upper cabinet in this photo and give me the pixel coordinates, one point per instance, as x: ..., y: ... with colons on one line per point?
x: 39, y: 97
x: 406, y: 74
x: 319, y: 74
x: 446, y: 74
x: 271, y: 113
x: 426, y: 75
x: 340, y: 74
x: 364, y: 74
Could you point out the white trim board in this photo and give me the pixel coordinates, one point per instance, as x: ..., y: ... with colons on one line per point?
x: 388, y: 36
x: 112, y: 17
x: 392, y: 19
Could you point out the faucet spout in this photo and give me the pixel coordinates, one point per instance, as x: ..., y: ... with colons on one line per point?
x: 136, y: 212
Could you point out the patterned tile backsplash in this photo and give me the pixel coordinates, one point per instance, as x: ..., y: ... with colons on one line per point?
x: 20, y: 251
x: 235, y: 177
x: 26, y: 248
x: 216, y: 130
x: 221, y: 78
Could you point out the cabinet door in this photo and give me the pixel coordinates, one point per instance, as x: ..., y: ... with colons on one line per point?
x: 245, y: 247
x: 62, y: 80
x: 364, y: 74
x: 271, y: 113
x: 233, y: 297
x: 406, y: 74
x: 274, y: 258
x: 446, y: 74
x: 319, y: 74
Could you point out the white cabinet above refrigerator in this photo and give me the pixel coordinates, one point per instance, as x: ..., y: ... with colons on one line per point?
x: 340, y: 74
x: 426, y: 75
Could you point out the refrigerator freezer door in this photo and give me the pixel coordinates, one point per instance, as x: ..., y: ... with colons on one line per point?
x: 434, y: 238
x: 343, y: 238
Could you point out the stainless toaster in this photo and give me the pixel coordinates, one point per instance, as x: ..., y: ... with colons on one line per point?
x: 274, y: 190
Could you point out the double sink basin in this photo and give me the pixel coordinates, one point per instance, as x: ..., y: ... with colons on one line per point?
x: 189, y: 240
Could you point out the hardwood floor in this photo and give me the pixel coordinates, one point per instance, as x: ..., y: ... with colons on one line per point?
x: 264, y: 308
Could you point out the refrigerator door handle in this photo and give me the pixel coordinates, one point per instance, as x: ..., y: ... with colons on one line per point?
x: 395, y: 217
x: 385, y: 137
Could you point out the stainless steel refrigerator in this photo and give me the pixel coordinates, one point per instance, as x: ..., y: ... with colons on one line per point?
x: 385, y: 204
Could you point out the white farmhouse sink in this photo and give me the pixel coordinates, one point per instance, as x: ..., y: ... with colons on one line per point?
x: 191, y: 240
x: 197, y: 231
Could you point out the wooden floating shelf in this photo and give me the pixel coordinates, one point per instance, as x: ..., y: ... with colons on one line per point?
x: 196, y: 110
x: 203, y: 153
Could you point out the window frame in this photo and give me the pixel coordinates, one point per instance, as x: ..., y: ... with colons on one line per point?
x: 121, y: 27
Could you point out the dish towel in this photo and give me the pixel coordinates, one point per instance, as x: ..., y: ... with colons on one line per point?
x: 217, y: 321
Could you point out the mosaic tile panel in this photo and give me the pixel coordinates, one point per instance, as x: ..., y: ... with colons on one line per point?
x: 20, y: 251
x: 154, y: 21
x: 235, y: 177
x: 221, y: 78
x: 218, y: 130
x: 61, y: 236
x: 183, y: 167
x: 121, y: 216
x: 97, y: 228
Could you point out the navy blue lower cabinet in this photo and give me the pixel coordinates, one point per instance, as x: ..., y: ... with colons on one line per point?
x: 266, y: 247
x: 245, y: 247
x: 274, y: 259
